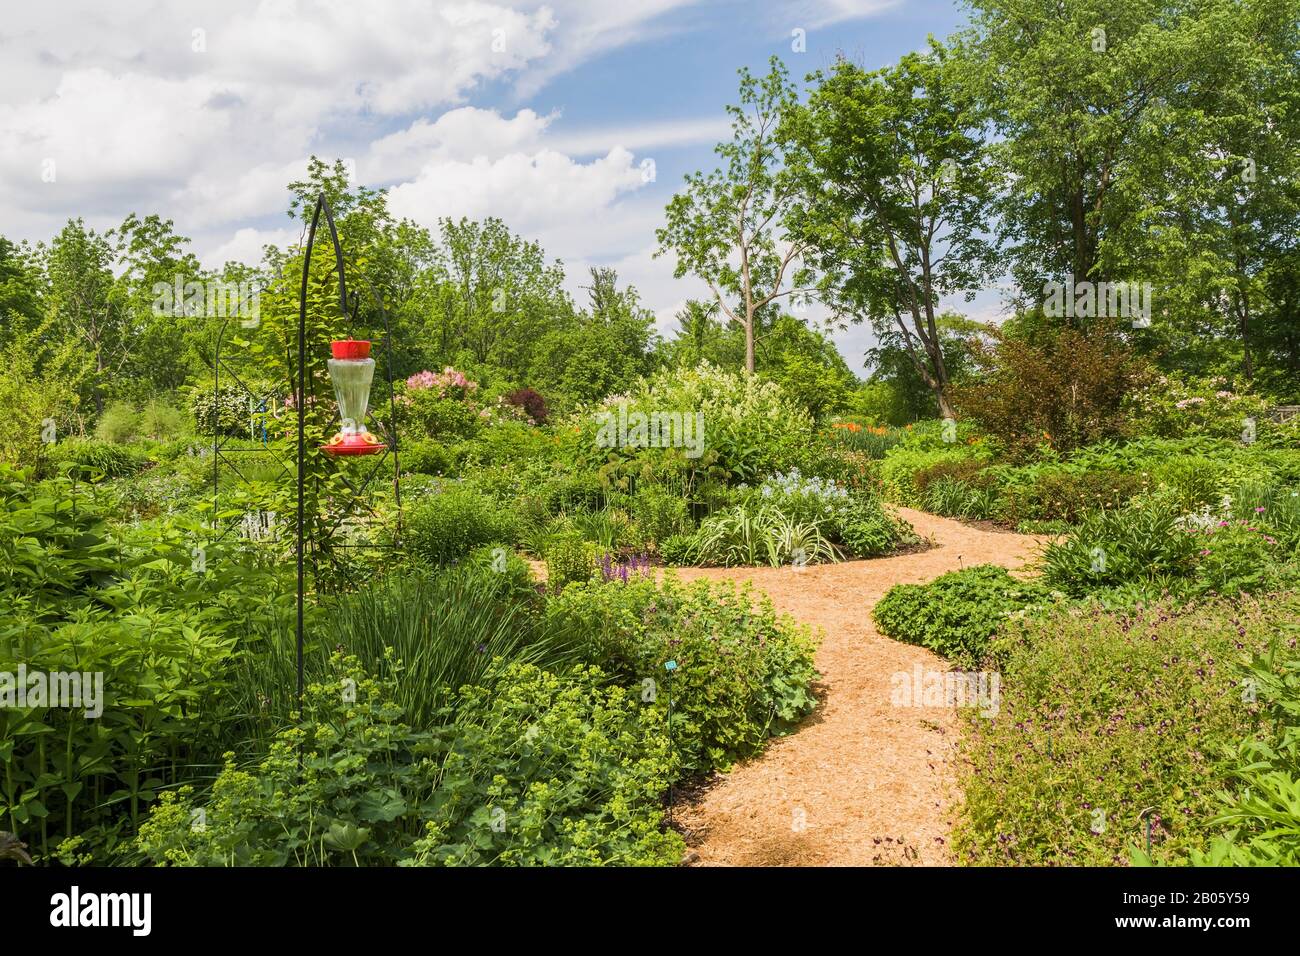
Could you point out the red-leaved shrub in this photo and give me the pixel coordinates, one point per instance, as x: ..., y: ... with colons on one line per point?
x: 531, y: 402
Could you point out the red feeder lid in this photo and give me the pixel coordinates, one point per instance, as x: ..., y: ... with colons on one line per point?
x: 350, y: 349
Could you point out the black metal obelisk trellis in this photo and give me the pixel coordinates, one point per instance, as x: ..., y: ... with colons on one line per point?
x: 349, y: 306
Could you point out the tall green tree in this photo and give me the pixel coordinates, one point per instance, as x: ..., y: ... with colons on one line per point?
x: 895, y: 187
x: 150, y: 254
x: 495, y: 294
x: 904, y: 392
x: 601, y: 348
x: 20, y: 289
x: 86, y: 309
x: 725, y: 227
x: 1220, y: 202
x: 1148, y: 141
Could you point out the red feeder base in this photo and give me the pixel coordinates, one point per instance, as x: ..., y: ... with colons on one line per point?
x: 366, y: 444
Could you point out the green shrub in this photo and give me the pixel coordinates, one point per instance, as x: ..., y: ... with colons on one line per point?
x: 96, y: 460
x: 681, y: 550
x: 565, y: 494
x: 742, y: 673
x: 164, y: 632
x: 1189, y: 472
x: 162, y: 421
x: 539, y: 769
x: 751, y: 428
x: 33, y: 402
x: 1060, y: 495
x: 1102, y: 716
x: 447, y: 525
x: 1172, y: 406
x: 226, y: 412
x: 968, y: 471
x: 446, y: 420
x: 503, y: 443
x: 901, y: 466
x: 119, y: 423
x: 1143, y: 543
x: 865, y: 527
x: 570, y: 558
x: 957, y: 613
x: 660, y: 514
x: 426, y: 458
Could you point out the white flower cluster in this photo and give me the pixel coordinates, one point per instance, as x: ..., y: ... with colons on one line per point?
x: 792, y: 483
x: 1207, y: 517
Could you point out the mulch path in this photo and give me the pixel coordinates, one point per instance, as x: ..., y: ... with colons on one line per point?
x: 861, y: 782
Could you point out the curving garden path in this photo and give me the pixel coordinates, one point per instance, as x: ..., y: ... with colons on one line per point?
x: 861, y: 782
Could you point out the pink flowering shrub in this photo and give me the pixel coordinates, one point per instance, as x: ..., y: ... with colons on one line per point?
x: 1174, y: 407
x: 444, y: 406
x: 449, y: 383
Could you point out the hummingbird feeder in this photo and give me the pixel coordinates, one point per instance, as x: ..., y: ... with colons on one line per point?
x: 351, y: 371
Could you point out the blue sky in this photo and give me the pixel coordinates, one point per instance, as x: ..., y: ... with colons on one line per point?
x: 544, y: 114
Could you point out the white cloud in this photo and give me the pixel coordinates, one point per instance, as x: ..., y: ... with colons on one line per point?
x: 463, y: 134
x: 532, y: 192
x: 154, y: 105
x: 470, y: 133
x: 815, y: 14
x: 246, y: 245
x: 670, y: 134
x: 102, y: 131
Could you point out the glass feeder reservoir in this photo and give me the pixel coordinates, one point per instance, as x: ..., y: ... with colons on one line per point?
x: 351, y: 371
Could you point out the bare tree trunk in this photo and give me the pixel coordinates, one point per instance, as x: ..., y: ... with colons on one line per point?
x: 945, y: 406
x: 99, y: 378
x: 1247, y: 360
x: 749, y: 344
